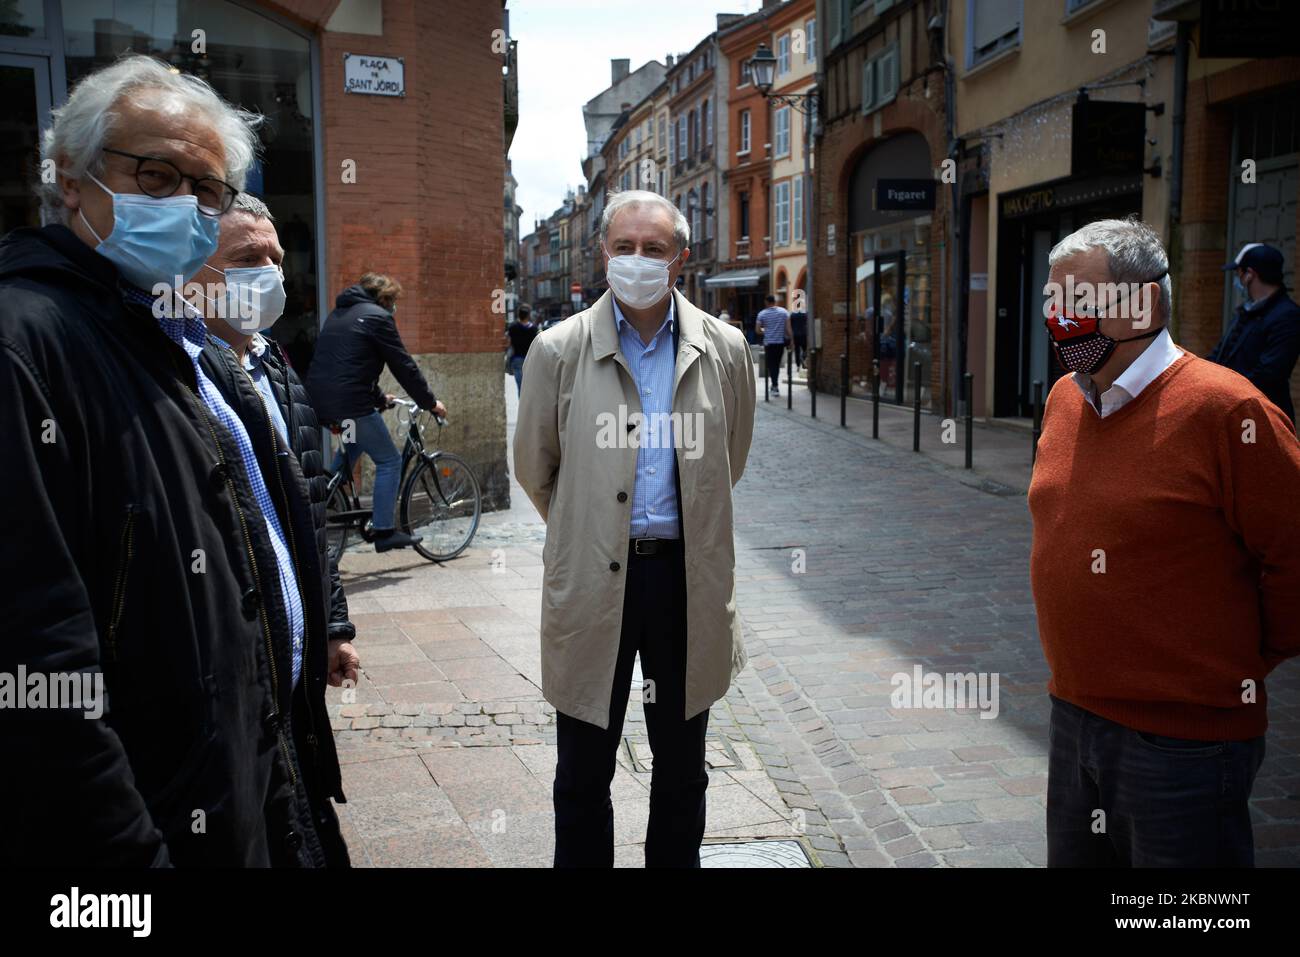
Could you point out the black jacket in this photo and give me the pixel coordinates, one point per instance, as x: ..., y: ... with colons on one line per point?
x: 305, y: 440
x: 132, y: 550
x: 1265, y: 348
x: 359, y: 337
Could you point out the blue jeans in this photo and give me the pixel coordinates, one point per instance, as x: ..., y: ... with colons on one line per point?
x: 372, y: 438
x: 517, y: 367
x: 1163, y: 802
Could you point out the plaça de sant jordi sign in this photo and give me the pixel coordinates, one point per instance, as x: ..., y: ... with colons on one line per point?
x: 374, y: 75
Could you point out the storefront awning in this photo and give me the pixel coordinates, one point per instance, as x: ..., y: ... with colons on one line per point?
x: 737, y: 278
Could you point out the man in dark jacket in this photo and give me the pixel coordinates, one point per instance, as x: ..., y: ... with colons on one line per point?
x: 247, y: 295
x: 358, y: 339
x: 149, y: 537
x: 1263, y: 341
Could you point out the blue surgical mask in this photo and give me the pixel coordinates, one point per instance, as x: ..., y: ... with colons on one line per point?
x: 155, y: 240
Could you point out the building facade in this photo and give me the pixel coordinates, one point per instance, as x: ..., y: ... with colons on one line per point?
x: 792, y: 37
x: 744, y: 272
x: 880, y: 272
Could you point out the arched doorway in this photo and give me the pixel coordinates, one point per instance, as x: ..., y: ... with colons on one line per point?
x: 888, y: 282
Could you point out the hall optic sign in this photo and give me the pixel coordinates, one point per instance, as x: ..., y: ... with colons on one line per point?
x: 374, y: 75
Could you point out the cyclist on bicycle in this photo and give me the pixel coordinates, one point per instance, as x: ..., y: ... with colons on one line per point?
x: 358, y: 339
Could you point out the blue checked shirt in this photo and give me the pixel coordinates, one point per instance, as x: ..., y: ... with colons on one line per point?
x: 654, y: 493
x: 190, y: 334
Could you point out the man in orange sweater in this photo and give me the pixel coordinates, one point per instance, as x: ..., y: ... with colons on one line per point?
x: 1165, y: 569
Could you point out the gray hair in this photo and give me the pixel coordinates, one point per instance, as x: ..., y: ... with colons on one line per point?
x: 248, y: 203
x: 635, y: 198
x: 82, y: 125
x: 1133, y: 254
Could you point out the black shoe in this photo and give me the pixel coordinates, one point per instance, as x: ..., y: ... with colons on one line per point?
x: 392, y: 538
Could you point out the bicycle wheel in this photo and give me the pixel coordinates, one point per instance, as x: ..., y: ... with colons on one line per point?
x: 337, y: 522
x: 440, y: 506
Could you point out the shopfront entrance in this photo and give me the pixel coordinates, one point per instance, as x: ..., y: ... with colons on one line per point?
x: 1030, y: 223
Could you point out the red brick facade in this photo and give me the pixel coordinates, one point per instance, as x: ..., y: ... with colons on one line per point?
x: 430, y: 167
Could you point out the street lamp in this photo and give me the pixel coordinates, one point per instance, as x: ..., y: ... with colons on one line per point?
x: 762, y: 67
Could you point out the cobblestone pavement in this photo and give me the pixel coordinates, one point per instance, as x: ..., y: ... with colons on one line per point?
x: 876, y: 561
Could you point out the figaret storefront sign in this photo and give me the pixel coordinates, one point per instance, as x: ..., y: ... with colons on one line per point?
x: 374, y: 75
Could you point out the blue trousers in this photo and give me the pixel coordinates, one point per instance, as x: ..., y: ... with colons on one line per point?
x: 1123, y: 798
x: 372, y: 438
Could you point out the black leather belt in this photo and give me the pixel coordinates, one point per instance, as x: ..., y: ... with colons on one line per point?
x: 648, y: 547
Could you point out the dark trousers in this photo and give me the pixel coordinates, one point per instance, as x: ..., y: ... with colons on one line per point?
x: 800, y: 348
x: 654, y: 623
x: 774, y: 353
x: 1123, y: 798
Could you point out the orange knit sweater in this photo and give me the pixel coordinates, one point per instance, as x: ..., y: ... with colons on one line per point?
x: 1166, y: 552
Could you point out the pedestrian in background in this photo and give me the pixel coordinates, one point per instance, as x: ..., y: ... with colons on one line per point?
x: 521, y: 333
x: 627, y: 513
x: 1263, y: 341
x: 799, y: 329
x: 1165, y: 569
x: 773, y: 324
x: 358, y: 339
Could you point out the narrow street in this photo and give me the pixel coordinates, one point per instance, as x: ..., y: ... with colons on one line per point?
x: 877, y: 561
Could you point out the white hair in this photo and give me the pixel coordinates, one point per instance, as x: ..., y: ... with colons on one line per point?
x: 1133, y: 254
x: 82, y: 125
x: 634, y: 198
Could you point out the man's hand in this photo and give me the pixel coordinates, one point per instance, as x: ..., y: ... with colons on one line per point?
x: 344, y: 663
x: 390, y: 401
x: 439, y: 409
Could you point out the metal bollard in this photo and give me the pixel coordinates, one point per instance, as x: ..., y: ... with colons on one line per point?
x: 844, y: 389
x: 812, y: 379
x: 762, y: 369
x: 789, y: 376
x: 968, y: 386
x: 875, y: 398
x: 1038, y: 417
x: 916, y: 406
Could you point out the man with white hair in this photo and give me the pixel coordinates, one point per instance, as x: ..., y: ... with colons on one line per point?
x: 635, y: 427
x: 1165, y: 569
x: 149, y: 541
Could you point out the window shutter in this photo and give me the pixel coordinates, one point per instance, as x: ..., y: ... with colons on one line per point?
x: 868, y: 86
x: 888, y: 78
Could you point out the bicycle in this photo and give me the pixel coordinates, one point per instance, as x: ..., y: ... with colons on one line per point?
x: 439, y: 502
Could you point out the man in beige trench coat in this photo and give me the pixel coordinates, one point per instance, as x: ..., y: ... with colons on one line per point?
x: 630, y: 456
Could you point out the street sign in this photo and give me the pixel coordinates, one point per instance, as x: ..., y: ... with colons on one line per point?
x: 374, y: 75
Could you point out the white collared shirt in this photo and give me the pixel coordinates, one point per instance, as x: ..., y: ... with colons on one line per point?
x: 1146, y: 368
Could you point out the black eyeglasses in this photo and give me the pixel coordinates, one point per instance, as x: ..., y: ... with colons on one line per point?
x: 159, y: 178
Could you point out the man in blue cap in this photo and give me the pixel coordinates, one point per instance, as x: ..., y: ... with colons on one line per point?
x: 1264, y: 340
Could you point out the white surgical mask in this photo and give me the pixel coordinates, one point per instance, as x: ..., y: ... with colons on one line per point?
x: 638, y: 281
x: 254, y: 297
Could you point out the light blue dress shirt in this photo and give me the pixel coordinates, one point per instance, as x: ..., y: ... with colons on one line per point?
x: 654, y: 493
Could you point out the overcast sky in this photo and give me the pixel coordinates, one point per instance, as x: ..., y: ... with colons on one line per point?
x: 564, y: 51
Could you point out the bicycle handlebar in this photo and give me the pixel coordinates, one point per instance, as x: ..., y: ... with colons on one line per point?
x: 413, y: 408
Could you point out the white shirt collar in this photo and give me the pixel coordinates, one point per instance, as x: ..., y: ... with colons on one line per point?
x: 1145, y: 369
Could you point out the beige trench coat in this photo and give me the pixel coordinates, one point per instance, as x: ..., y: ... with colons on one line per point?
x: 565, y: 461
